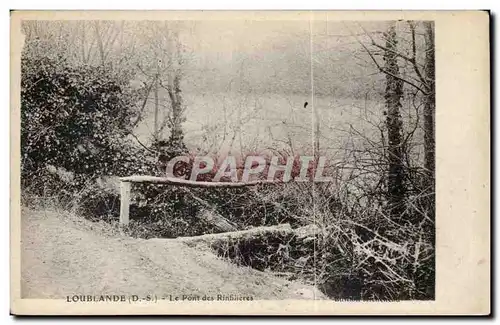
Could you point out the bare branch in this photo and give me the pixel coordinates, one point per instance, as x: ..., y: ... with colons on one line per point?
x: 148, y: 149
x: 414, y: 55
x: 412, y: 60
x: 383, y: 47
x: 144, y: 72
x: 148, y: 90
x: 379, y: 67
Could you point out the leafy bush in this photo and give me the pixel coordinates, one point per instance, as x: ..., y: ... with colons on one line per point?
x: 74, y: 118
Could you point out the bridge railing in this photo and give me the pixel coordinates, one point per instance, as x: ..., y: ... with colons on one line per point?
x: 126, y: 186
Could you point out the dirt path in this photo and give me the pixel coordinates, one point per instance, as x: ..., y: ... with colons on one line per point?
x: 63, y: 255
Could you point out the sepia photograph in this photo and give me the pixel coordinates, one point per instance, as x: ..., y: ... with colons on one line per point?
x: 204, y: 158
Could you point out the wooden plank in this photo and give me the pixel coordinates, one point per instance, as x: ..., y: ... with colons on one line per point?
x: 125, y: 188
x: 241, y: 234
x: 215, y: 219
x: 210, y: 215
x: 188, y: 183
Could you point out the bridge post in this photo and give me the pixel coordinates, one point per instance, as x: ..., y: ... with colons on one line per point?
x: 124, y: 202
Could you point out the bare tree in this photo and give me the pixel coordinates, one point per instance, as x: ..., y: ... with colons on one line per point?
x: 416, y: 70
x: 430, y: 106
x: 162, y: 63
x: 175, y: 142
x: 106, y: 35
x: 393, y: 94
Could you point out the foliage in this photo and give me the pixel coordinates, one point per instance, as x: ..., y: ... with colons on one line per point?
x: 356, y: 252
x: 74, y: 118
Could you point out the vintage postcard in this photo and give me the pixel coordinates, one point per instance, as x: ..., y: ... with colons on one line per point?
x: 250, y: 163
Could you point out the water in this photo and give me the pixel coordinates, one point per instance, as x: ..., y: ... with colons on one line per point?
x: 232, y: 122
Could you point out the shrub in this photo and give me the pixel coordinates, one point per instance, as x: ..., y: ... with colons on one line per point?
x: 74, y: 117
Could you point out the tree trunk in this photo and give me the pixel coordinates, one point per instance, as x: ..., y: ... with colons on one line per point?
x: 393, y: 94
x: 176, y: 144
x: 99, y: 41
x: 429, y: 107
x: 156, y: 123
x: 216, y: 220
